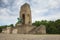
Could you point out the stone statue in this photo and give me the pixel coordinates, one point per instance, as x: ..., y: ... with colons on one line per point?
x: 19, y: 20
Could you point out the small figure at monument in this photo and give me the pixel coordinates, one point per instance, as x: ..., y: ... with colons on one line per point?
x: 19, y: 20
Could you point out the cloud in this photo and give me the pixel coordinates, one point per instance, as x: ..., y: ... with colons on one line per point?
x: 41, y: 10
x: 6, y: 18
x: 54, y: 3
x: 45, y: 9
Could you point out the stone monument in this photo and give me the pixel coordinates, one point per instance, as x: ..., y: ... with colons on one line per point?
x: 24, y: 25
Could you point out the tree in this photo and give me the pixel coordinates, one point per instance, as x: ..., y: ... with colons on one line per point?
x: 0, y: 30
x: 57, y: 24
x: 11, y: 25
x: 52, y: 27
x: 37, y: 23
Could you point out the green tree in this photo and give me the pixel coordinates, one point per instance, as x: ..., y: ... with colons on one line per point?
x: 11, y: 25
x: 52, y: 27
x: 0, y: 30
x: 37, y: 23
x: 57, y: 24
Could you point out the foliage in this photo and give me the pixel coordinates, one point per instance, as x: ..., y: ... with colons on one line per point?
x: 0, y: 30
x: 52, y: 27
x: 4, y: 26
x: 11, y: 25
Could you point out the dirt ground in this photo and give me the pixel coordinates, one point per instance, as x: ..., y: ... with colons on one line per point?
x: 28, y: 37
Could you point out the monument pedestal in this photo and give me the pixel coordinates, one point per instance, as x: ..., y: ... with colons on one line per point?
x: 24, y: 29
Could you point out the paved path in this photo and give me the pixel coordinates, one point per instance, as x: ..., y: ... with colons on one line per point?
x: 28, y: 37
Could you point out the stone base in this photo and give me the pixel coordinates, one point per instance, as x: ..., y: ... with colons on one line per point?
x: 25, y: 29
x: 30, y: 29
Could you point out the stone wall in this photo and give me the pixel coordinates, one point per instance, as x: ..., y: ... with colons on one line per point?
x: 42, y: 29
x: 25, y: 29
x: 38, y: 30
x: 15, y: 31
x: 7, y: 30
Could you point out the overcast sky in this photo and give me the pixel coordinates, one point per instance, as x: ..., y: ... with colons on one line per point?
x: 40, y: 10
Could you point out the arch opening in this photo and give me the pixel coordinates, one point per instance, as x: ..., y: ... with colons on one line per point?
x: 23, y: 17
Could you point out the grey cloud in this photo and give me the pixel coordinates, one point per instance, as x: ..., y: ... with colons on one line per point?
x: 13, y: 7
x: 2, y: 5
x: 9, y: 6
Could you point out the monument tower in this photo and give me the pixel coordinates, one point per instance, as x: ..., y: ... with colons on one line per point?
x: 25, y: 14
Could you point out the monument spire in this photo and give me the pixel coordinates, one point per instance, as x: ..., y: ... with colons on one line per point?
x: 25, y: 14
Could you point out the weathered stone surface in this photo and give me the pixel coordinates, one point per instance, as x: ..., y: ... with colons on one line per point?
x: 7, y: 30
x: 25, y: 14
x: 28, y: 37
x: 15, y: 31
x: 26, y: 27
x: 42, y: 29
